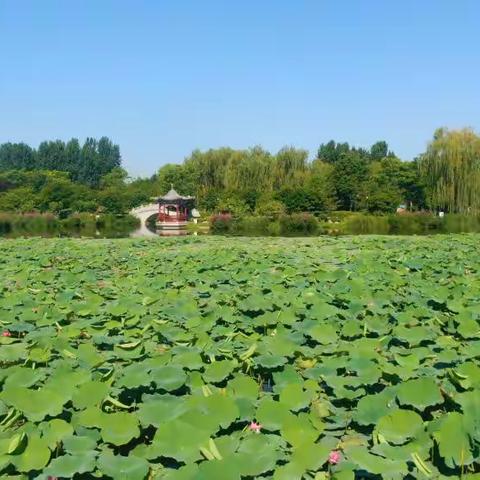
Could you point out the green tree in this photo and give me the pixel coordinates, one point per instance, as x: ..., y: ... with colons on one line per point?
x: 451, y: 171
x: 270, y: 208
x: 320, y: 183
x: 16, y: 156
x: 19, y: 200
x: 51, y: 155
x: 332, y: 151
x: 232, y: 203
x: 57, y: 195
x: 170, y: 175
x: 348, y: 176
x: 115, y: 178
x: 113, y: 200
x: 379, y: 150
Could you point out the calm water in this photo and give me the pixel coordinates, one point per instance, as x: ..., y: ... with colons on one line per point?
x: 356, y: 225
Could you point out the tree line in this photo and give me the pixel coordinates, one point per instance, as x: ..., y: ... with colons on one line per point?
x: 69, y: 177
x: 66, y: 177
x: 341, y: 177
x: 84, y: 164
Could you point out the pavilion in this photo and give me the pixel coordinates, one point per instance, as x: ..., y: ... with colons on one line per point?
x: 174, y: 210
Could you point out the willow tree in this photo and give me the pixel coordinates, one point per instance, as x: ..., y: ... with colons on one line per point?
x: 451, y: 171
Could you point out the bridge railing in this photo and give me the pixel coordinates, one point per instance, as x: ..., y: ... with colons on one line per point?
x: 145, y: 209
x: 163, y: 217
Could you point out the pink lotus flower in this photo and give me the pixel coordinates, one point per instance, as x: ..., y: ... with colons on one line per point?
x: 255, y: 427
x: 6, y: 333
x: 334, y: 457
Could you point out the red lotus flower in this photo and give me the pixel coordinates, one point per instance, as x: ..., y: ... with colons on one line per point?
x: 6, y: 333
x: 334, y: 457
x: 255, y: 427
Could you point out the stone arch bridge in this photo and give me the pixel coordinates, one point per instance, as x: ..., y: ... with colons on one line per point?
x: 143, y: 213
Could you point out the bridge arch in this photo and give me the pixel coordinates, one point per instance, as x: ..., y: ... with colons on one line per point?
x: 143, y: 213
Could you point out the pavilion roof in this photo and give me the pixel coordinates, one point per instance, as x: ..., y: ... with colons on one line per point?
x: 173, y: 195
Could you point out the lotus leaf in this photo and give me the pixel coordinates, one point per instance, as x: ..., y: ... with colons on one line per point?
x: 67, y: 466
x: 35, y: 456
x: 123, y: 468
x: 119, y: 428
x: 217, y: 357
x: 419, y: 393
x: 399, y: 426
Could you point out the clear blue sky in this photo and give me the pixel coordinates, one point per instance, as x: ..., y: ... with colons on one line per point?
x: 164, y: 77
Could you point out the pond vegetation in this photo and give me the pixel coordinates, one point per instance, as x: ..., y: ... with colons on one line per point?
x: 214, y: 358
x: 79, y: 225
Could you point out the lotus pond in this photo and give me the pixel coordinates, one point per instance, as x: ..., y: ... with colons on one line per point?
x: 212, y: 358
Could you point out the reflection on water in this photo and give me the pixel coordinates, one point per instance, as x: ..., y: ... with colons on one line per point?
x: 357, y: 224
x: 172, y: 232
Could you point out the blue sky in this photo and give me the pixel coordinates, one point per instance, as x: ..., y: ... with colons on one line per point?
x: 162, y: 78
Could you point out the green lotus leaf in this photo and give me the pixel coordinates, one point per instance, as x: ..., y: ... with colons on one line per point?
x: 470, y: 403
x: 90, y: 394
x: 310, y: 455
x: 287, y: 376
x: 55, y: 431
x: 372, y: 407
x: 324, y: 334
x: 218, y: 371
x: 420, y: 447
x: 453, y: 440
x: 211, y: 412
x: 376, y: 465
x: 23, y: 377
x: 64, y: 380
x: 298, y: 430
x: 135, y: 375
x: 270, y: 361
x: 119, y: 428
x: 160, y: 409
x: 90, y: 417
x: 88, y: 354
x: 76, y: 444
x: 123, y: 468
x: 469, y: 328
x: 180, y: 440
x: 345, y: 472
x: 273, y: 415
x: 414, y: 335
x: 190, y: 360
x: 258, y: 454
x: 253, y: 465
x: 242, y: 386
x: 13, y: 353
x: 295, y: 397
x: 322, y: 310
x: 35, y: 456
x: 169, y: 377
x: 289, y: 471
x: 419, y: 393
x: 467, y: 375
x: 34, y: 404
x: 186, y: 472
x: 399, y: 426
x: 67, y: 466
x: 225, y: 469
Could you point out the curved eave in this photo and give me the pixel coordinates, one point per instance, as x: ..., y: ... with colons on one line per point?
x: 174, y: 201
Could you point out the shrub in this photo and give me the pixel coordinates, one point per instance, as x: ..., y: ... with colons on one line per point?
x: 271, y: 209
x: 221, y: 223
x: 299, y: 224
x: 365, y: 224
